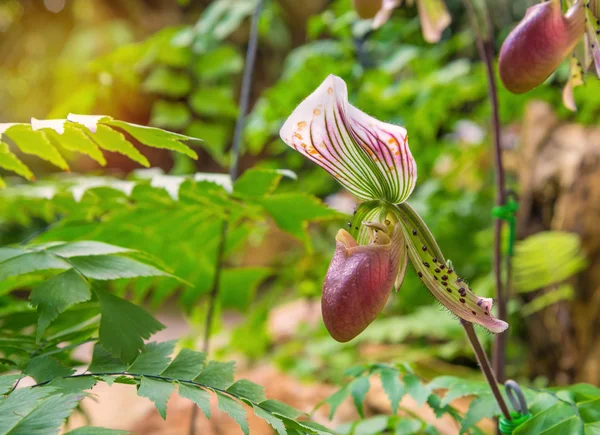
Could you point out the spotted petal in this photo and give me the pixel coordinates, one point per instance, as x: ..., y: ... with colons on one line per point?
x: 368, y: 157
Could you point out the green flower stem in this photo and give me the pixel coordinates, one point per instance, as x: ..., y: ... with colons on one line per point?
x: 486, y: 368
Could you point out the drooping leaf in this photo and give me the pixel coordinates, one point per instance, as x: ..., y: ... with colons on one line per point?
x: 392, y: 387
x: 273, y: 421
x: 47, y: 416
x: 336, y: 400
x: 108, y: 267
x: 197, y: 395
x: 416, y: 389
x: 234, y: 409
x: 35, y: 143
x: 158, y: 392
x: 55, y: 295
x: 358, y: 390
x: 124, y: 326
x: 12, y: 163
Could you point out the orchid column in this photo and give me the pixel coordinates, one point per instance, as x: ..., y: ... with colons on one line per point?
x: 372, y: 160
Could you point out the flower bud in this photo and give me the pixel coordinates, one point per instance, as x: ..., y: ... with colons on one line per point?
x: 367, y: 9
x: 360, y: 279
x: 538, y: 45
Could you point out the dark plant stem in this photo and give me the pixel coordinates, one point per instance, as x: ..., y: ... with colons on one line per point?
x: 485, y: 46
x: 485, y: 366
x: 233, y: 173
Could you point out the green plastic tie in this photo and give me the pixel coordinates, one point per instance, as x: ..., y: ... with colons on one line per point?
x: 507, y: 213
x: 507, y: 427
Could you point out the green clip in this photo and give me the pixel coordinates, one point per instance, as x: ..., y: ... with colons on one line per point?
x: 507, y: 213
x: 507, y: 427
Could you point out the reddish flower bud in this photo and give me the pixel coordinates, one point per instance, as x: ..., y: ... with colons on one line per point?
x: 360, y: 280
x: 367, y: 9
x: 538, y: 45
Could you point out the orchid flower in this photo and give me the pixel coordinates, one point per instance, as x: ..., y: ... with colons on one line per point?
x: 372, y: 160
x: 544, y: 39
x: 433, y: 14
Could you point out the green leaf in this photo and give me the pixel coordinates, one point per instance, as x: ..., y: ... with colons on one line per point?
x: 591, y: 428
x: 124, y: 326
x: 7, y: 382
x: 273, y: 421
x: 7, y: 253
x: 158, y: 392
x: 73, y: 385
x: 169, y: 114
x: 457, y: 388
x: 91, y: 430
x: 234, y: 409
x: 18, y: 404
x: 416, y: 389
x: 224, y: 60
x: 280, y: 408
x: 372, y: 426
x: 215, y: 137
x: 408, y: 426
x: 238, y: 286
x: 35, y: 143
x: 480, y: 408
x: 545, y: 421
x: 214, y: 101
x: 197, y: 395
x: 392, y: 387
x: 157, y: 138
x: 85, y: 248
x: 186, y: 365
x: 167, y: 81
x: 248, y: 390
x: 30, y: 262
x: 45, y: 368
x: 217, y: 374
x: 104, y: 362
x: 47, y: 416
x: 336, y: 400
x: 589, y: 411
x: 257, y: 182
x: 106, y: 267
x: 74, y: 139
x: 358, y: 390
x: 114, y: 141
x: 562, y: 292
x: 293, y: 211
x: 153, y: 359
x: 12, y: 163
x: 55, y: 295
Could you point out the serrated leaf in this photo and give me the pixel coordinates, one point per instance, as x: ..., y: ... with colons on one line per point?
x: 186, y: 365
x: 158, y: 392
x: 74, y: 139
x: 7, y: 382
x: 238, y: 286
x: 458, y: 388
x: 104, y: 362
x: 157, y: 138
x: 55, y: 295
x: 273, y: 421
x: 124, y: 326
x: 31, y: 262
x: 416, y: 389
x: 73, y: 385
x: 293, y: 211
x: 108, y: 267
x: 167, y: 81
x: 18, y: 404
x: 480, y: 408
x: 36, y: 143
x: 86, y: 248
x: 392, y: 387
x: 234, y: 409
x: 47, y: 416
x: 197, y: 395
x: 12, y: 163
x: 280, y: 408
x: 358, y: 390
x: 217, y: 374
x: 336, y: 400
x: 248, y: 390
x: 153, y: 359
x: 114, y: 141
x: 45, y: 368
x: 91, y: 430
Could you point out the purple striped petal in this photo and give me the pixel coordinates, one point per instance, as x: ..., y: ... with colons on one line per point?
x: 368, y: 157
